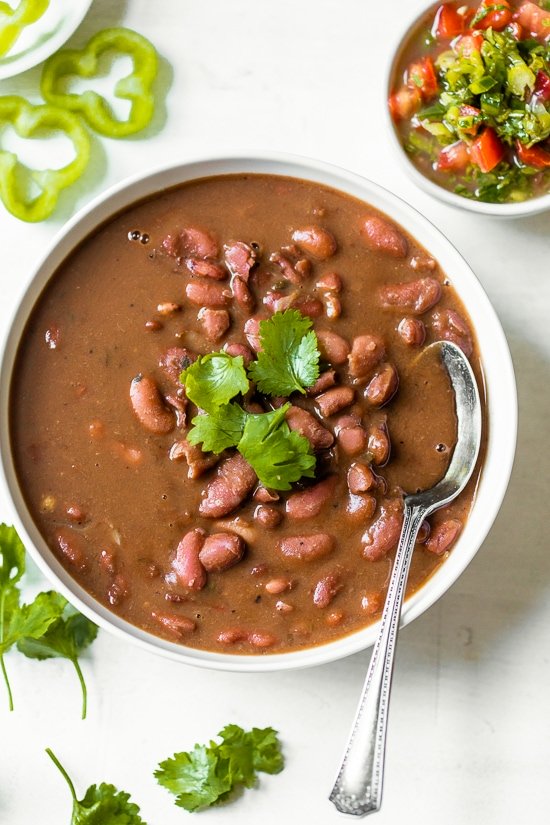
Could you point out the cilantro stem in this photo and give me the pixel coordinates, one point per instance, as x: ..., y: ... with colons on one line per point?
x: 62, y: 770
x: 83, y: 686
x: 2, y: 663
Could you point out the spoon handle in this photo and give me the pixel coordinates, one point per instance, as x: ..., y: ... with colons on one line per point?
x: 358, y: 787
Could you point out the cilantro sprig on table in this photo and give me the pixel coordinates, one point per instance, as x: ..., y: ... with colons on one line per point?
x: 46, y: 627
x: 288, y: 362
x: 210, y: 773
x: 101, y: 805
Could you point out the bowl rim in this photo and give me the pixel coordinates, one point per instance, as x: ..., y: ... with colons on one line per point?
x: 100, y: 210
x: 522, y: 209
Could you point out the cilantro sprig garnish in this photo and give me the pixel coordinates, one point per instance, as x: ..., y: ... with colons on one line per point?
x: 101, y: 805
x: 288, y: 362
x: 210, y: 773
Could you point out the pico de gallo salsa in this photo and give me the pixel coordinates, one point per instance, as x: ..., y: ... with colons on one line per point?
x: 470, y: 98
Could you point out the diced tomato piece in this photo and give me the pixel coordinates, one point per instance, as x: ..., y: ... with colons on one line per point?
x: 448, y: 23
x: 455, y: 157
x: 492, y: 15
x: 534, y: 19
x: 542, y: 86
x: 468, y: 43
x: 421, y: 75
x: 487, y: 151
x: 470, y: 111
x: 516, y: 30
x: 533, y: 156
x: 404, y: 103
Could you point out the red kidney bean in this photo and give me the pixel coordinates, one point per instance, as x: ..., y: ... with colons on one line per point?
x: 148, y: 406
x: 279, y: 585
x: 242, y: 350
x: 221, y: 551
x: 242, y: 294
x: 179, y: 405
x: 379, y: 444
x: 334, y: 400
x: 352, y: 439
x: 412, y: 331
x: 310, y: 427
x: 424, y: 532
x: 366, y: 353
x: 232, y: 636
x: 312, y: 307
x: 309, y: 502
x: 190, y: 241
x: 360, y: 506
x: 206, y: 269
x: 235, y: 479
x: 372, y: 603
x: 208, y: 294
x: 76, y: 513
x: 178, y: 625
x: 240, y: 258
x: 315, y: 241
x: 153, y: 326
x: 443, y: 536
x: 382, y: 236
x: 72, y: 548
x: 325, y: 381
x: 168, y: 308
x: 198, y: 462
x: 262, y: 640
x: 291, y: 272
x: 415, y: 296
x: 187, y: 565
x: 252, y: 332
x: 361, y: 479
x: 326, y: 590
x: 382, y: 386
x: 307, y: 547
x: 277, y: 301
x: 448, y: 325
x: 332, y: 346
x: 215, y: 322
x: 330, y: 281
x: 333, y: 306
x: 268, y: 517
x: 265, y: 496
x: 259, y: 640
x: 383, y: 534
x: 174, y: 361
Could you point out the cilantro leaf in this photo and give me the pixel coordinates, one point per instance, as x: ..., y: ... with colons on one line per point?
x: 12, y: 567
x: 278, y: 455
x: 66, y: 638
x: 102, y: 804
x: 214, y: 379
x: 220, y: 430
x: 289, y: 359
x: 209, y: 773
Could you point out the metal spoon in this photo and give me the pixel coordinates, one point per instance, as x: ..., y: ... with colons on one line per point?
x: 358, y: 787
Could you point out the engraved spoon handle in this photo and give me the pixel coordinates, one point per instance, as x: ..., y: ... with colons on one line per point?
x: 358, y: 787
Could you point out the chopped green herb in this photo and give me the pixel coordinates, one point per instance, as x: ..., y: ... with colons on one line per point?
x: 219, y: 430
x: 289, y: 359
x: 101, y: 805
x: 66, y: 638
x: 209, y: 773
x: 214, y: 379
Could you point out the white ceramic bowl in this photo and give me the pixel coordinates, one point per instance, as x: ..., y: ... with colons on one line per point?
x: 501, y: 210
x: 497, y: 364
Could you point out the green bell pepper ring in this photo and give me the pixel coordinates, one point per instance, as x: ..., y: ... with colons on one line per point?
x: 13, y: 21
x: 135, y: 87
x: 27, y: 119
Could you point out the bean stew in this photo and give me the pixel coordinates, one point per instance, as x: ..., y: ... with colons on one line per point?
x: 281, y: 535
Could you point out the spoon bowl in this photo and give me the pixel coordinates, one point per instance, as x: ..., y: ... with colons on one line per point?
x: 358, y: 787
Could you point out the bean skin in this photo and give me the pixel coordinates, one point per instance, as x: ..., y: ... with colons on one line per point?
x: 148, y: 406
x: 366, y: 353
x: 198, y: 461
x: 189, y: 570
x: 174, y: 361
x: 309, y: 502
x: 277, y: 586
x: 206, y: 269
x: 306, y: 547
x: 221, y: 551
x: 415, y: 296
x: 268, y: 517
x: 311, y: 307
x: 190, y: 241
x: 178, y: 625
x: 383, y: 534
x: 443, y: 536
x: 242, y: 294
x: 412, y: 331
x: 383, y: 386
x: 215, y: 323
x: 326, y: 590
x: 448, y: 325
x: 333, y: 347
x: 333, y: 306
x: 315, y: 241
x: 235, y: 479
x: 208, y: 294
x: 252, y: 332
x: 334, y: 400
x: 382, y: 236
x: 331, y: 282
x: 240, y: 259
x: 310, y: 427
x: 379, y: 444
x: 265, y: 496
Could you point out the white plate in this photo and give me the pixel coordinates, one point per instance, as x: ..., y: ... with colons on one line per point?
x: 41, y: 39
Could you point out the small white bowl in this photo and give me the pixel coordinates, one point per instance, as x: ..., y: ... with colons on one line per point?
x: 497, y: 366
x: 532, y: 206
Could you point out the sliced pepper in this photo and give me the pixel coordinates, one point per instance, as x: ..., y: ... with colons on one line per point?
x: 135, y: 87
x: 487, y: 151
x: 13, y: 21
x: 27, y: 119
x: 534, y: 156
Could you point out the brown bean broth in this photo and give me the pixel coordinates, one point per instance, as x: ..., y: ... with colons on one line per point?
x: 100, y: 300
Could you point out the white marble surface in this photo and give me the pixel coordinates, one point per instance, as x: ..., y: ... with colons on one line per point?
x: 470, y: 722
